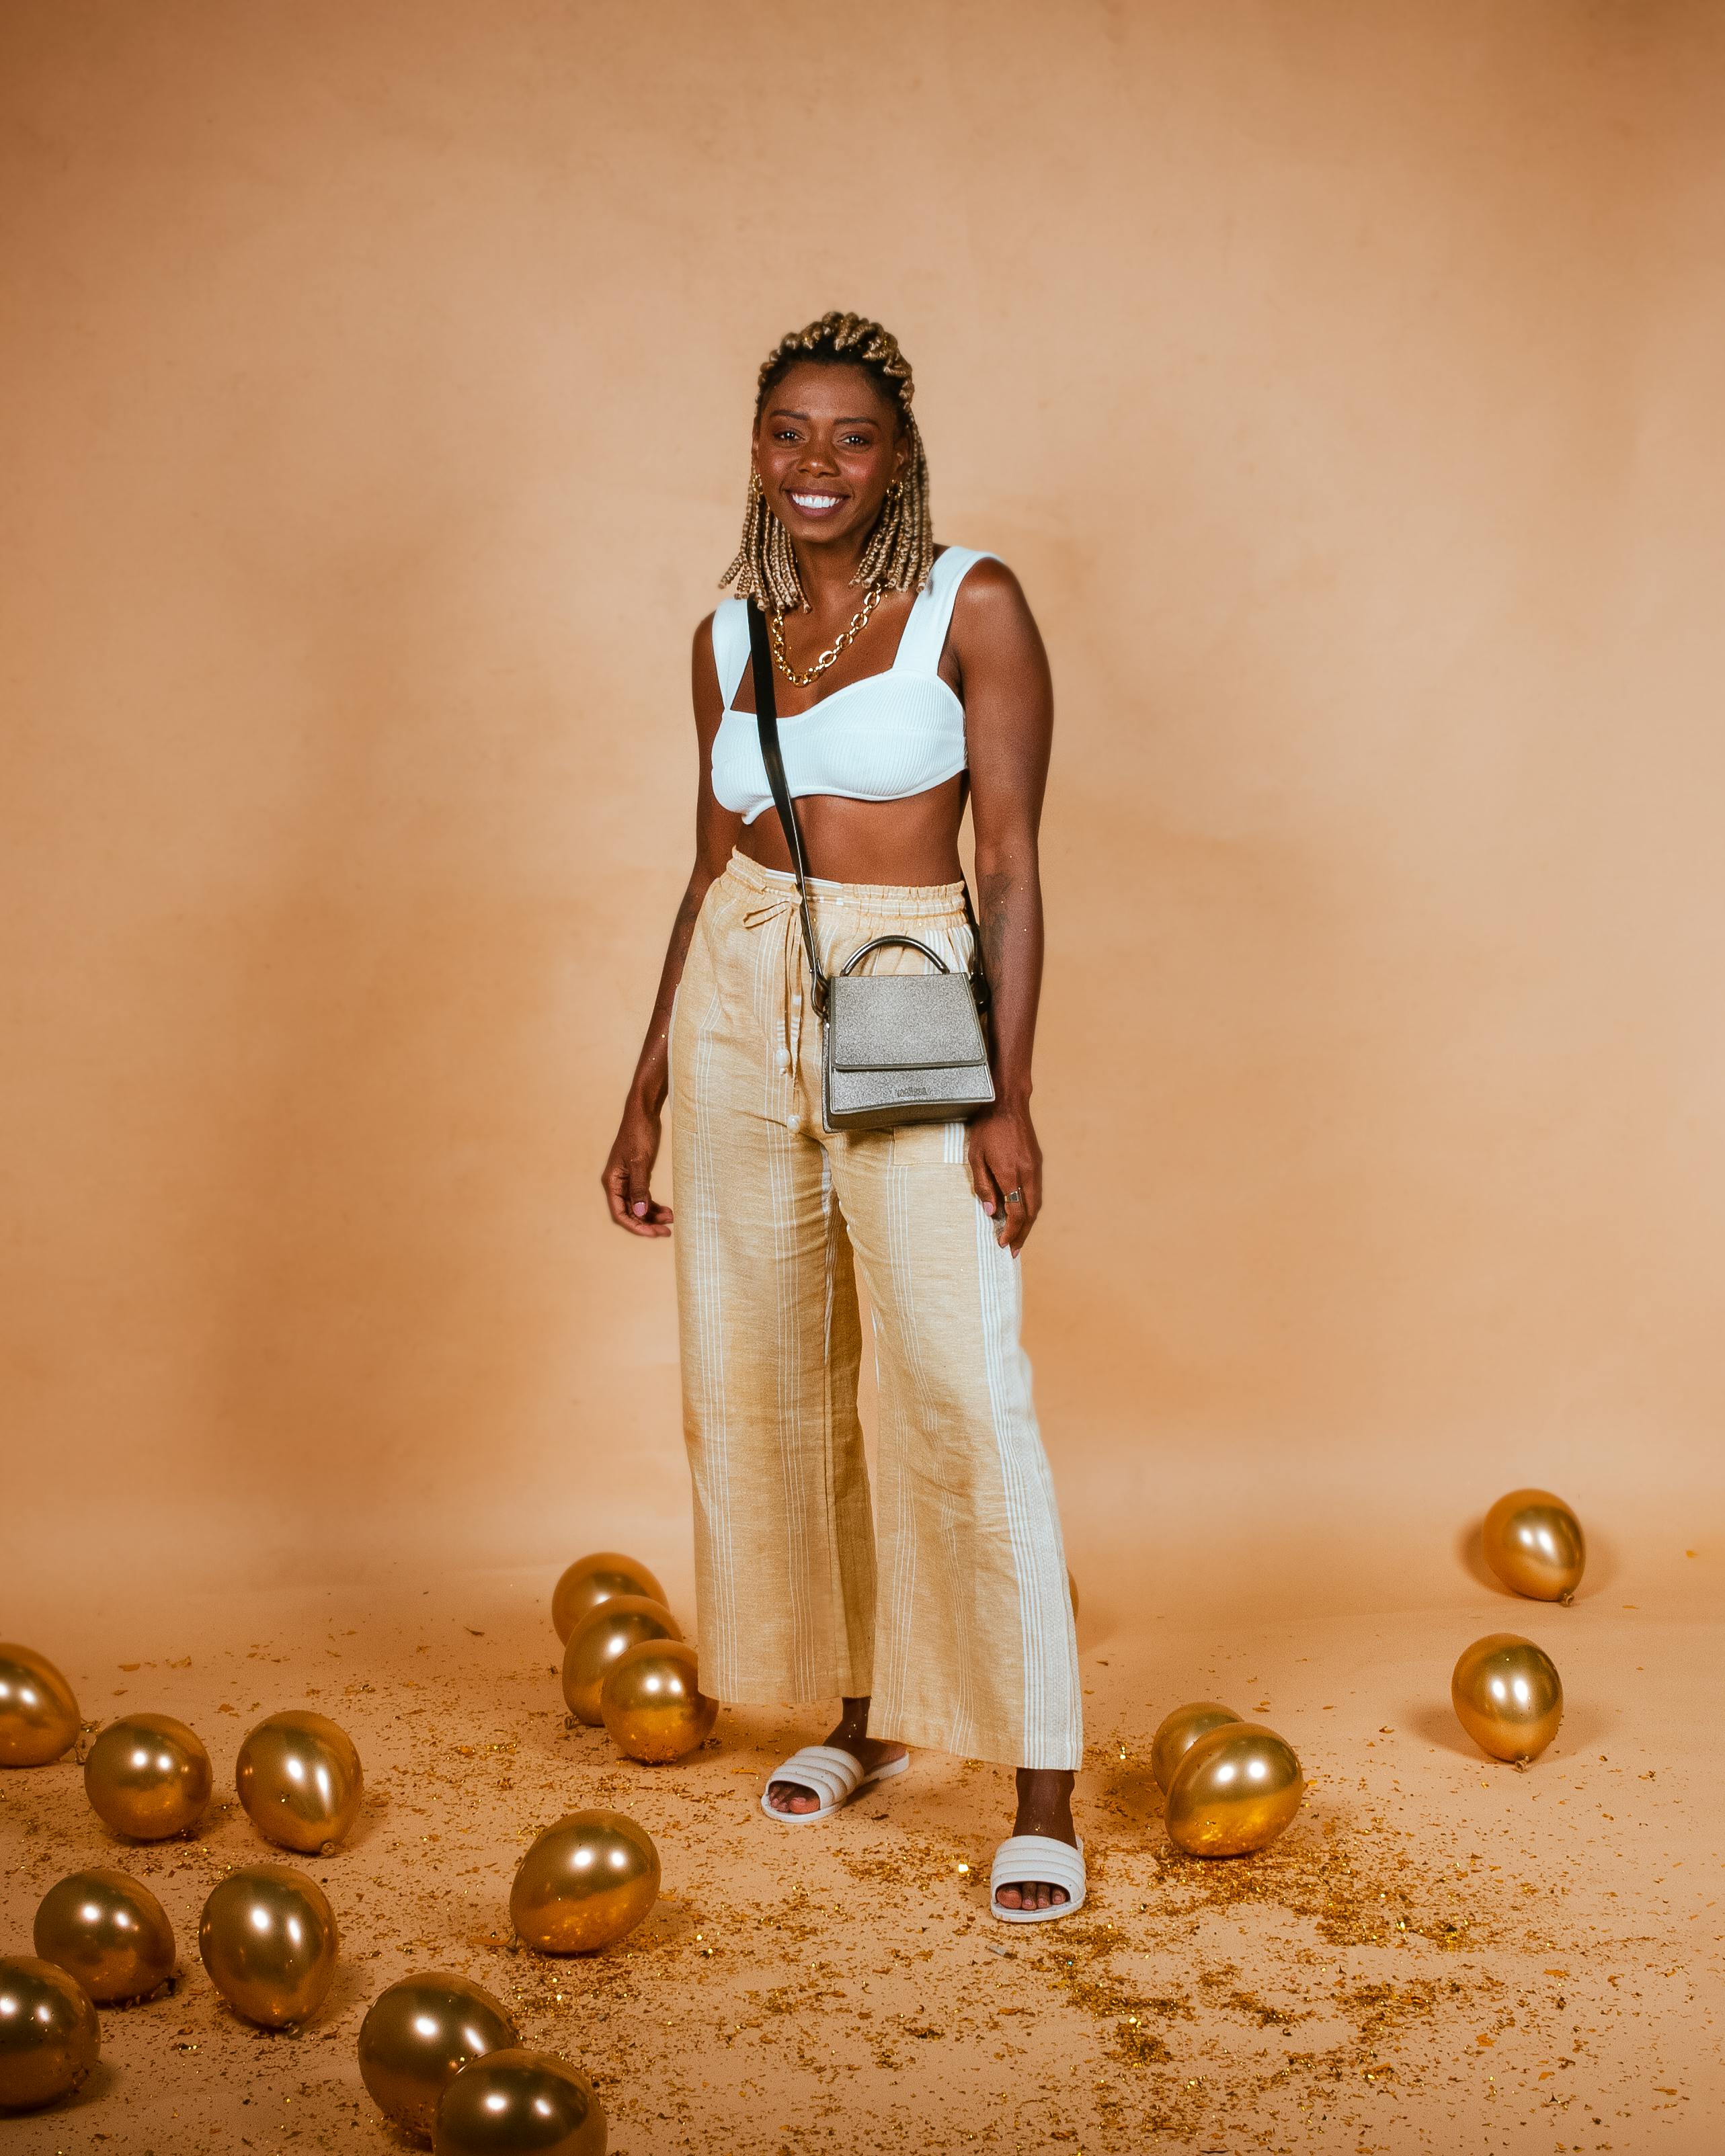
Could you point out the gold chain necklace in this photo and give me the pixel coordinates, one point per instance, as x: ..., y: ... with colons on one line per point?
x: 846, y: 636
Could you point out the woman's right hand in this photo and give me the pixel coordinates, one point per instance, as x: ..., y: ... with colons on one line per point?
x: 628, y: 1171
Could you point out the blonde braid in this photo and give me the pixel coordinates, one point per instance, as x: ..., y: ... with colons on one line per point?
x: 900, y: 550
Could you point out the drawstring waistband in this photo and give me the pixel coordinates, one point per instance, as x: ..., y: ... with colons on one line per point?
x: 781, y: 907
x: 908, y: 899
x: 773, y: 899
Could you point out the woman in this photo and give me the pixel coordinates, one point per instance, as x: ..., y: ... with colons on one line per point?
x: 908, y: 677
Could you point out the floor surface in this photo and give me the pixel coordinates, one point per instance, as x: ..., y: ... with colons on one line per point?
x: 1442, y: 1954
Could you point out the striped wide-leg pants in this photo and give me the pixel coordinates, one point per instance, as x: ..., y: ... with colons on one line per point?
x: 950, y: 1606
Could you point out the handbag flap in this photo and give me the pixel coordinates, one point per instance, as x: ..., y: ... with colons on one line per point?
x: 902, y: 1022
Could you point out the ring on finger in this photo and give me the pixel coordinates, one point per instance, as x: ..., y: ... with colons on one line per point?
x: 1015, y: 1198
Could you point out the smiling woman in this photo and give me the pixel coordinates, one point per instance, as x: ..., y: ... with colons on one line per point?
x: 877, y: 486
x: 913, y: 681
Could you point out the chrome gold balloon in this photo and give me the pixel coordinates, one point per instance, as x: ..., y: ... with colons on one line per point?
x: 1236, y: 1789
x: 591, y: 1580
x: 268, y: 1937
x: 49, y: 2037
x: 417, y: 2037
x: 1534, y: 1543
x: 652, y: 1701
x: 602, y: 1635
x: 38, y: 1714
x: 108, y: 1930
x: 1507, y: 1697
x: 520, y: 2103
x: 299, y: 1780
x: 585, y: 1883
x: 147, y: 1776
x: 1178, y: 1731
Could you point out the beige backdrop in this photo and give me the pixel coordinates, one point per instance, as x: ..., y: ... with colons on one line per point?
x: 1341, y: 380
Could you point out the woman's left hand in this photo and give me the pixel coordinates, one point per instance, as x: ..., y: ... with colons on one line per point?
x: 1006, y: 1172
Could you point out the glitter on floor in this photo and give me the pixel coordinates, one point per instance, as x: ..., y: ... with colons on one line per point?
x: 1441, y: 1955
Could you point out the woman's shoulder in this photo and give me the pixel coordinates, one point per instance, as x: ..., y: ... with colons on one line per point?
x: 988, y: 587
x: 978, y: 565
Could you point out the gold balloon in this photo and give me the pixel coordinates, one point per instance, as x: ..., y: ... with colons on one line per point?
x: 147, y: 1776
x: 591, y: 1580
x: 109, y: 1931
x: 299, y: 1778
x: 1237, y: 1787
x: 652, y: 1703
x: 38, y: 1714
x: 514, y: 2102
x: 585, y: 1883
x: 268, y: 1937
x: 1534, y: 1543
x: 50, y: 2036
x: 1508, y: 1697
x: 1178, y: 1731
x: 417, y: 2037
x: 602, y: 1635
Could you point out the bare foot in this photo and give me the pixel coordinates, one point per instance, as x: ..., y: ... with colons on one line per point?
x: 1044, y: 1807
x: 851, y: 1736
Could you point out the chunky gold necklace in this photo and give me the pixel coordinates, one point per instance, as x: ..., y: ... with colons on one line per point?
x: 846, y: 637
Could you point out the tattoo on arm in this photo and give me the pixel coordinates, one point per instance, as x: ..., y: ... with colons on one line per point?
x: 1011, y: 924
x: 682, y: 929
x: 996, y: 893
x: 650, y: 1069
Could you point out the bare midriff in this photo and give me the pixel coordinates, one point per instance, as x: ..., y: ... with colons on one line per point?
x: 912, y: 841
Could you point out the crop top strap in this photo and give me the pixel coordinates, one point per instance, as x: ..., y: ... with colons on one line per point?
x: 730, y: 647
x: 925, y: 637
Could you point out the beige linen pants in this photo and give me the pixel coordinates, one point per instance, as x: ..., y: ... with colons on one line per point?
x: 969, y: 1646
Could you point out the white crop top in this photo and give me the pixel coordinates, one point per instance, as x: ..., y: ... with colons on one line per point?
x: 885, y: 737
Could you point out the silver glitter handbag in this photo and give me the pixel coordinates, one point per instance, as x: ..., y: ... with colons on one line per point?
x: 895, y: 1048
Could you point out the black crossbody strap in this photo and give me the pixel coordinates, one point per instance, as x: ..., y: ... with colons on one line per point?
x: 766, y: 717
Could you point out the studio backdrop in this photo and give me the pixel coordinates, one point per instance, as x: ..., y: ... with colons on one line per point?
x: 1342, y: 382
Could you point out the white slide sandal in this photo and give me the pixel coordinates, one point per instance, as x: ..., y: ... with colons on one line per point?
x: 834, y: 1776
x: 1022, y: 1857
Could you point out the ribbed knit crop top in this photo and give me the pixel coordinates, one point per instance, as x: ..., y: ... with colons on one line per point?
x: 882, y: 738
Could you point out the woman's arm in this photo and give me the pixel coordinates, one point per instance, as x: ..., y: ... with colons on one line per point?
x: 628, y: 1173
x: 1009, y: 717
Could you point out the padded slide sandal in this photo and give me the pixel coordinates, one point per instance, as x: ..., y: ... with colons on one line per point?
x: 1037, y: 1857
x: 834, y: 1776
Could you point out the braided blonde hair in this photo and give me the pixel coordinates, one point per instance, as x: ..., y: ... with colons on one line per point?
x: 901, y: 547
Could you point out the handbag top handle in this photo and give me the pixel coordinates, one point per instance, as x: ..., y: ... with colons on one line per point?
x: 766, y: 716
